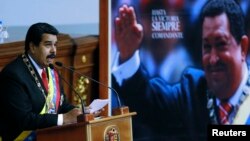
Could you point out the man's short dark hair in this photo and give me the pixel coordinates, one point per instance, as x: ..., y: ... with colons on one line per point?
x: 233, y: 11
x: 36, y: 31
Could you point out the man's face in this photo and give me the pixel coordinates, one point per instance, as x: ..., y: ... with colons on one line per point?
x: 222, y: 57
x: 45, y: 53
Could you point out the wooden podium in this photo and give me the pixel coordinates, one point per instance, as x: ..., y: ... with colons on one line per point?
x: 113, y: 128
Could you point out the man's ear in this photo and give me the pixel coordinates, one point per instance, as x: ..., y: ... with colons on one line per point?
x: 32, y: 47
x: 244, y: 46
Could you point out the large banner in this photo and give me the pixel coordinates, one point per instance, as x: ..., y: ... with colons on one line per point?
x: 171, y: 42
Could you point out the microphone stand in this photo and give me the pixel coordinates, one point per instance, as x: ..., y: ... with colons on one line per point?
x: 84, y: 117
x: 116, y: 111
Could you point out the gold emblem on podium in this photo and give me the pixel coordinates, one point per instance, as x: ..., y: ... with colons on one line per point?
x: 111, y: 133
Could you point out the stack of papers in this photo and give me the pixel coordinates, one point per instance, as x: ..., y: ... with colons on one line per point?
x: 97, y: 105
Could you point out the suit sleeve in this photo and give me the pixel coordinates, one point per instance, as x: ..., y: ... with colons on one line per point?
x: 22, y: 110
x: 159, y: 104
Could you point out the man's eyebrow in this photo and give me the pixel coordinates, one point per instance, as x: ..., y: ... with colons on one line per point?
x: 47, y: 41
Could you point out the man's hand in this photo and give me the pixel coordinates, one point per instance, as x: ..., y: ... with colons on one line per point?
x: 128, y: 33
x: 96, y: 113
x: 71, y: 116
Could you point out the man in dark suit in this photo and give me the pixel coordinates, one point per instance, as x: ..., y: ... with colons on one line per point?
x: 183, y: 111
x: 32, y: 96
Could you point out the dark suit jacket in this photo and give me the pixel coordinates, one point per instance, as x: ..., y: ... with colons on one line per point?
x: 21, y: 101
x: 167, y: 112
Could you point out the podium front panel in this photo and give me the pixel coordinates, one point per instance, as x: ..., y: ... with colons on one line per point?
x: 117, y: 129
x: 114, y: 128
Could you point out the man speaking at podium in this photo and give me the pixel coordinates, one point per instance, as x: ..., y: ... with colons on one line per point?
x: 217, y: 95
x: 32, y: 96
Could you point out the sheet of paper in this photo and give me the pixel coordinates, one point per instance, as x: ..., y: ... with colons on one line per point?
x: 98, y: 104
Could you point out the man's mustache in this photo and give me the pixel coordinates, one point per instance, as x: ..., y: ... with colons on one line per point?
x: 51, y: 56
x: 218, y: 66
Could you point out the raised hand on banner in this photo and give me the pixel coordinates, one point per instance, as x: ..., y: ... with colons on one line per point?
x: 128, y: 33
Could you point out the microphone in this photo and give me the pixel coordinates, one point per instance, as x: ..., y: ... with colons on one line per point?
x: 72, y: 70
x: 82, y: 104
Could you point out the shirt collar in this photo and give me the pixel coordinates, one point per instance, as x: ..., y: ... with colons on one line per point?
x: 235, y: 98
x: 38, y: 68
